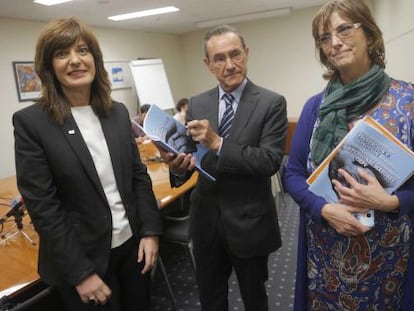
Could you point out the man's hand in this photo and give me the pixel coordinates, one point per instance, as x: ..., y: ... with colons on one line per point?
x: 202, y: 132
x: 179, y: 164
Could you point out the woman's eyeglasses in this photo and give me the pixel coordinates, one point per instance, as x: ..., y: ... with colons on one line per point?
x: 344, y: 31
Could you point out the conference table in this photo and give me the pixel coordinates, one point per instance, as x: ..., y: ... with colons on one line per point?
x: 18, y: 256
x: 159, y: 172
x: 18, y: 248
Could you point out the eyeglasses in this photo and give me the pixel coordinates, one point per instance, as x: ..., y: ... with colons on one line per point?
x: 344, y: 31
x: 220, y: 60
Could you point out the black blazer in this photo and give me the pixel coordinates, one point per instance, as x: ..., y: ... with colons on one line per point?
x: 242, y: 196
x: 57, y: 178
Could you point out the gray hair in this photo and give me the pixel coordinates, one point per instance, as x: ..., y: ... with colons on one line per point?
x: 219, y: 30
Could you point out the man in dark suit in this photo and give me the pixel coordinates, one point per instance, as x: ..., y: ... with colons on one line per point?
x: 233, y: 220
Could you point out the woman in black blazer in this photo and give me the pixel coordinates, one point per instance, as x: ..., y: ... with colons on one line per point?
x: 78, y: 169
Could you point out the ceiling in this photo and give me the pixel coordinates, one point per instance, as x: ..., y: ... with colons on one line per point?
x: 95, y: 12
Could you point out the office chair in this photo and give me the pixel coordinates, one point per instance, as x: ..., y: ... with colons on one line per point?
x: 176, y: 223
x: 176, y: 231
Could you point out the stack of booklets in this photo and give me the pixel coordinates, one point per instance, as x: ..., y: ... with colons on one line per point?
x: 369, y: 146
x: 171, y: 135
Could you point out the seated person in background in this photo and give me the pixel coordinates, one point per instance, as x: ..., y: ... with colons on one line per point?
x: 139, y: 118
x: 181, y: 106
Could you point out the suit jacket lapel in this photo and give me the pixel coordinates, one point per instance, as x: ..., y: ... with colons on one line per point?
x: 212, y: 110
x: 247, y: 105
x: 74, y: 137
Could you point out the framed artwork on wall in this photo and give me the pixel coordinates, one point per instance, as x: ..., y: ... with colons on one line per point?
x: 119, y: 74
x: 27, y: 82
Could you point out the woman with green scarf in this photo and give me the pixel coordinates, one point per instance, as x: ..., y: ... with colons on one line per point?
x: 342, y: 264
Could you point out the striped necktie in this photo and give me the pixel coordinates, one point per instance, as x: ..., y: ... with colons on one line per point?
x: 228, y: 116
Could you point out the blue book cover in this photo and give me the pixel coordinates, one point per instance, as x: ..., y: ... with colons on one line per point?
x: 171, y: 135
x: 369, y: 146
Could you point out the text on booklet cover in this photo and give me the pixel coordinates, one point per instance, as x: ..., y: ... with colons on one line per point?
x: 368, y: 146
x: 171, y: 135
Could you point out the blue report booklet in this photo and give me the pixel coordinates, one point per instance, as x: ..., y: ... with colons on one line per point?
x: 171, y: 135
x: 368, y: 145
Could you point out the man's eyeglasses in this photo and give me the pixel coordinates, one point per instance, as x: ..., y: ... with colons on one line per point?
x: 220, y: 60
x: 344, y: 31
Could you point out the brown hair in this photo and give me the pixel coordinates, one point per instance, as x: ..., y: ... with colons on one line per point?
x: 357, y: 12
x: 181, y: 103
x: 58, y: 34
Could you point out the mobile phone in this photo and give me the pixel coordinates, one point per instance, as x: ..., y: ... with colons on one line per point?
x: 367, y: 219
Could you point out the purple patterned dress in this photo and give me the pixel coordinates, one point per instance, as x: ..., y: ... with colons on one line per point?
x: 368, y: 272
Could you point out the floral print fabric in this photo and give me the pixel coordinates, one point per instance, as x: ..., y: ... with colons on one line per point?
x: 366, y: 272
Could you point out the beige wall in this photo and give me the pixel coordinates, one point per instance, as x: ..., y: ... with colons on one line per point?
x: 282, y: 58
x: 17, y: 40
x: 396, y: 21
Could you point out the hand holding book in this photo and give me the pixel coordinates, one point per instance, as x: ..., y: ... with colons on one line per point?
x: 170, y: 135
x: 366, y: 191
x: 368, y: 146
x: 178, y: 139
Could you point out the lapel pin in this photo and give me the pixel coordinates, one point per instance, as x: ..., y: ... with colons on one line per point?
x: 71, y: 132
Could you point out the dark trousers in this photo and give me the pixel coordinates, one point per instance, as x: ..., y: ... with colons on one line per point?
x: 214, y: 267
x: 130, y: 289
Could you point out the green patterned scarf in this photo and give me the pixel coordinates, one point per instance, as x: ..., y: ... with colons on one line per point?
x: 343, y: 103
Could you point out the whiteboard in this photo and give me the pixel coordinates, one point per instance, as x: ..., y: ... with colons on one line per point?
x: 151, y: 83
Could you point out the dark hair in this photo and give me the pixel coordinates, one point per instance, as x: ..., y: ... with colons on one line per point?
x: 358, y: 12
x: 181, y: 103
x: 144, y: 108
x: 219, y: 30
x: 58, y: 34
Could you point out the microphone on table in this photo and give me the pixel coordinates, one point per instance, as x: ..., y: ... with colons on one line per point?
x: 15, y: 204
x: 17, y: 211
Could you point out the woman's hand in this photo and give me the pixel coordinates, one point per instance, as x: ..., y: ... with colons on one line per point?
x: 93, y: 290
x: 369, y: 196
x: 341, y: 218
x: 148, y: 248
